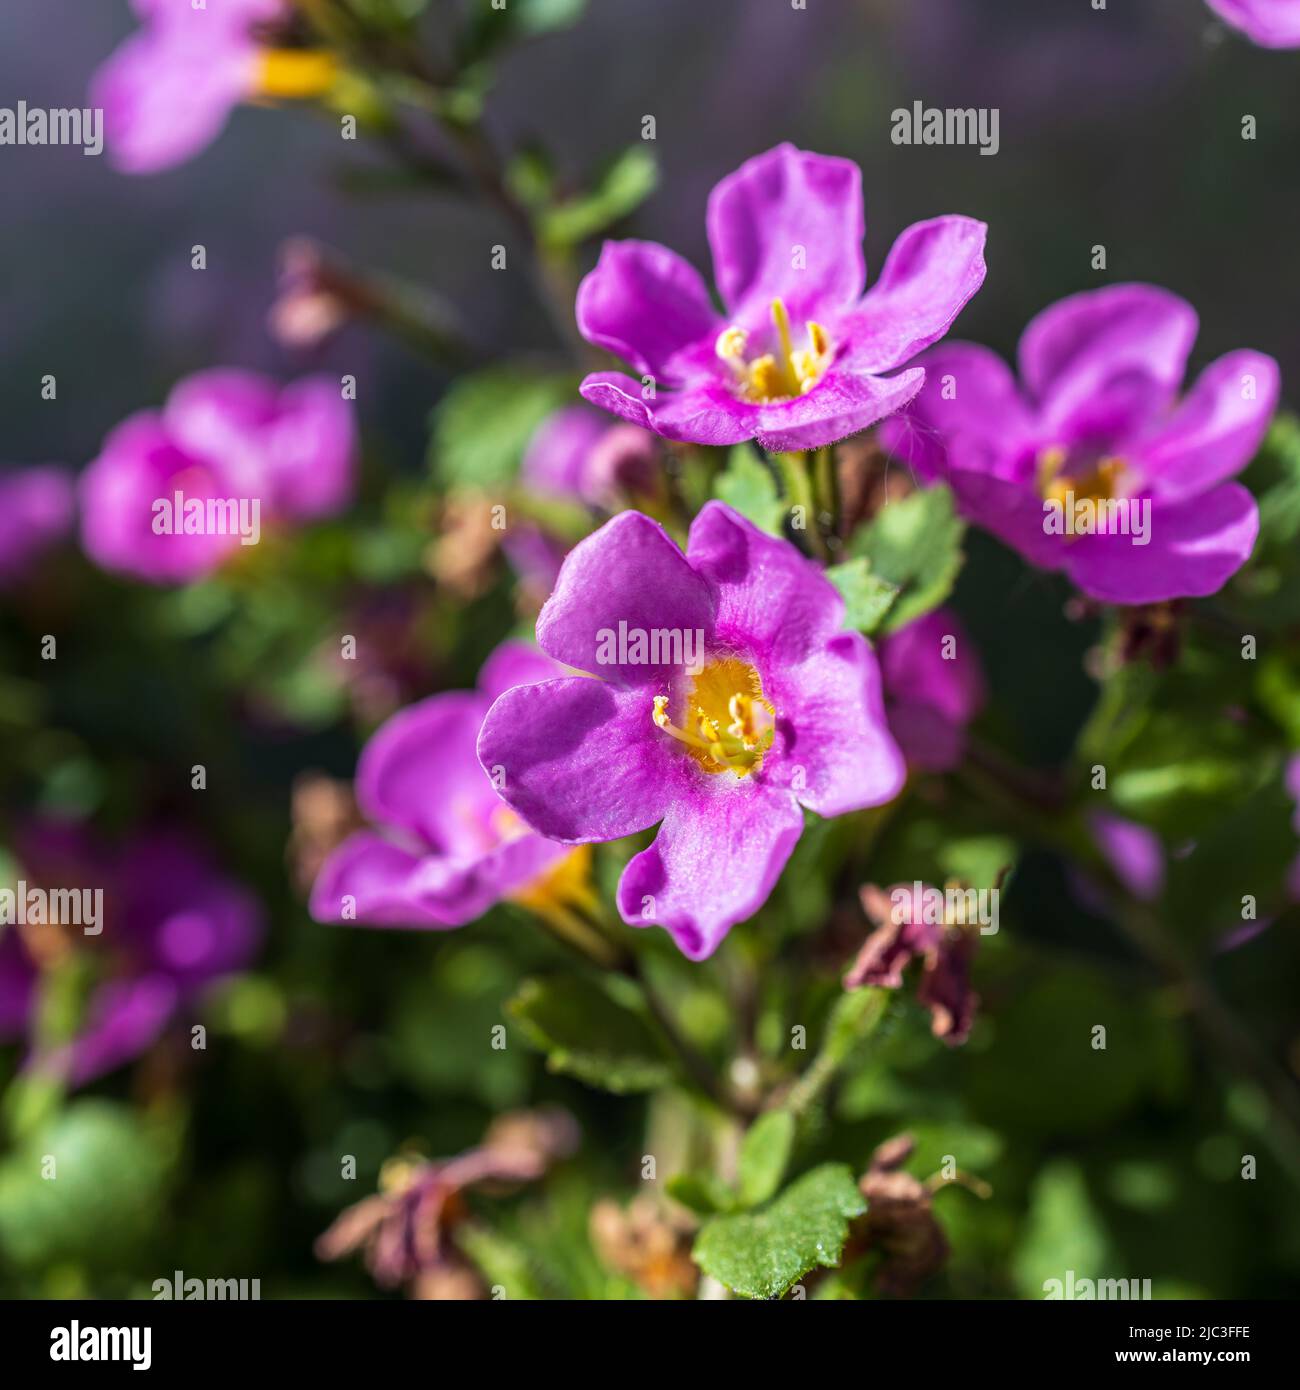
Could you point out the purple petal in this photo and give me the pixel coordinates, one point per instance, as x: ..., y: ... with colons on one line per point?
x: 931, y: 271
x: 1104, y: 363
x: 515, y: 663
x: 138, y: 465
x: 555, y: 461
x: 771, y: 601
x: 968, y: 414
x: 647, y: 305
x: 1013, y: 512
x: 714, y: 863
x: 1134, y: 852
x: 419, y: 774
x: 1195, y: 548
x: 36, y: 509
x: 760, y: 217
x: 166, y: 92
x: 830, y: 711
x: 1216, y: 429
x: 18, y: 976
x: 580, y: 760
x: 376, y: 875
x: 630, y: 572
x: 842, y: 403
x: 124, y: 1018
x: 929, y: 698
x: 703, y: 413
x: 309, y: 450
x: 1270, y: 23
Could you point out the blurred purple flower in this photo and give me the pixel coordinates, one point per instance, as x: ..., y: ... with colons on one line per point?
x: 448, y: 848
x: 36, y: 508
x: 1132, y: 851
x: 223, y: 436
x: 173, y: 924
x: 1095, y: 420
x: 1271, y: 23
x: 931, y: 696
x: 167, y: 90
x: 904, y: 930
x: 780, y: 710
x: 798, y: 361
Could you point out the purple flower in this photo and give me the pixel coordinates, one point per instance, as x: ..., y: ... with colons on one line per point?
x: 239, y: 450
x: 1090, y: 464
x: 909, y: 927
x: 1272, y: 23
x: 1133, y: 852
x: 799, y: 358
x: 576, y: 453
x: 448, y: 848
x: 36, y: 506
x: 168, y: 90
x: 934, y: 687
x: 728, y: 698
x: 172, y: 925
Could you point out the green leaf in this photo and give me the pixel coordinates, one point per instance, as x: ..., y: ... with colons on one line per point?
x: 764, y: 1154
x: 867, y: 597
x: 587, y: 1033
x: 1063, y: 1232
x: 762, y: 1255
x: 482, y: 426
x: 625, y: 186
x: 747, y: 484
x: 701, y: 1192
x: 914, y: 544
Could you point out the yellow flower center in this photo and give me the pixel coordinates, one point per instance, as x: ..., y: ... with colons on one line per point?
x: 296, y: 73
x: 1098, y: 484
x: 773, y: 376
x: 726, y: 723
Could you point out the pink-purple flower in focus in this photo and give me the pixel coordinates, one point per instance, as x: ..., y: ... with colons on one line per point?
x: 36, y: 509
x: 1095, y: 426
x: 1270, y: 23
x: 227, y: 438
x: 172, y: 925
x: 168, y: 90
x: 724, y: 697
x: 445, y: 847
x: 934, y: 687
x: 801, y: 356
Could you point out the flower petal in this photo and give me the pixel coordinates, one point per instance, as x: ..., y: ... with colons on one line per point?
x: 831, y: 716
x: 968, y: 414
x: 1102, y: 364
x: 714, y: 862
x: 379, y: 878
x: 628, y: 571
x: 647, y: 305
x: 419, y: 774
x: 773, y: 207
x: 580, y: 760
x: 929, y: 697
x: 705, y: 412
x: 931, y: 271
x: 1215, y: 430
x: 1196, y: 546
x: 771, y: 601
x: 842, y: 403
x: 1270, y: 23
x: 515, y: 663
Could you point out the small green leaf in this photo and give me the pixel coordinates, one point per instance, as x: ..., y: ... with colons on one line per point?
x: 747, y: 485
x: 587, y: 1033
x: 867, y: 597
x: 701, y: 1192
x: 762, y: 1255
x: 914, y: 544
x: 625, y: 186
x: 482, y: 426
x: 764, y: 1153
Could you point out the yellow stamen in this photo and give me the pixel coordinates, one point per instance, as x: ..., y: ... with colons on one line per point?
x: 296, y: 73
x: 727, y: 724
x: 776, y: 376
x: 1098, y: 484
